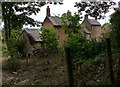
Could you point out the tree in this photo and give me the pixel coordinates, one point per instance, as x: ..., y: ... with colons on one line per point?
x: 13, y: 20
x: 96, y: 9
x: 17, y: 14
x: 49, y: 39
x: 106, y: 29
x: 115, y: 25
x: 71, y: 23
x: 115, y: 36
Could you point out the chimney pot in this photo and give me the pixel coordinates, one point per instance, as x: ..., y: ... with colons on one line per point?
x: 86, y: 16
x: 48, y: 11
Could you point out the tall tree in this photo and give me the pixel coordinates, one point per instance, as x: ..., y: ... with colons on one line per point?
x: 17, y: 14
x: 71, y: 23
x: 115, y: 35
x: 96, y: 9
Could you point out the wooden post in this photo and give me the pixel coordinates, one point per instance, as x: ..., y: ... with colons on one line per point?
x: 109, y: 60
x: 69, y: 67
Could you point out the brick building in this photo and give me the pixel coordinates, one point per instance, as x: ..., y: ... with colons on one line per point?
x: 92, y: 28
x: 54, y: 22
x: 30, y: 40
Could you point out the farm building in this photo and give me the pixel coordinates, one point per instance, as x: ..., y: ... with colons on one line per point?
x: 92, y: 28
x: 31, y: 40
x: 54, y: 22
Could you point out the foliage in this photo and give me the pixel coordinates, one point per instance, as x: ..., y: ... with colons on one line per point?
x: 12, y: 64
x: 115, y: 33
x: 15, y: 45
x: 83, y: 49
x: 17, y: 14
x: 4, y: 50
x: 8, y: 83
x: 62, y: 68
x: 106, y: 29
x: 105, y: 25
x: 37, y: 80
x: 71, y: 23
x: 96, y: 9
x: 49, y: 39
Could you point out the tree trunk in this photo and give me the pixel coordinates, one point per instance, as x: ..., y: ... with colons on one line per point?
x: 6, y: 20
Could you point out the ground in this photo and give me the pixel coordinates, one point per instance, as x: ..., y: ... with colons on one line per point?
x: 43, y: 71
x: 51, y: 71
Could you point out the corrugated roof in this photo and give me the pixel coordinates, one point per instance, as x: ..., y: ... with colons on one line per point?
x: 93, y: 22
x: 34, y: 33
x: 55, y: 20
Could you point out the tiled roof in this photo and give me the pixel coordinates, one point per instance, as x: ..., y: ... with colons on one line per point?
x: 93, y: 22
x: 55, y: 20
x: 35, y: 34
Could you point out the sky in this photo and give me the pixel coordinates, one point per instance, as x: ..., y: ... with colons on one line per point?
x: 60, y: 9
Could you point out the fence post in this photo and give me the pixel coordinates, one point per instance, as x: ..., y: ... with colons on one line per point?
x: 68, y: 61
x: 109, y: 60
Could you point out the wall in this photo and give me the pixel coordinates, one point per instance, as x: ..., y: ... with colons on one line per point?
x: 60, y: 34
x: 47, y: 24
x: 86, y: 24
x: 96, y: 31
x: 26, y: 44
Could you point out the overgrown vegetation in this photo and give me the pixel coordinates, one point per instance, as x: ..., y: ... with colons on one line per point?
x: 14, y: 63
x: 49, y: 39
x: 84, y: 49
x: 115, y: 34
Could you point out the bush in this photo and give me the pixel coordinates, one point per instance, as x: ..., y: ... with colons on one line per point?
x: 12, y: 64
x: 50, y: 39
x: 81, y: 48
x: 115, y: 26
x: 4, y: 50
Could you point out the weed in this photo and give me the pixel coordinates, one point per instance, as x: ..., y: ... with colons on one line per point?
x: 36, y: 80
x: 12, y: 64
x: 7, y: 83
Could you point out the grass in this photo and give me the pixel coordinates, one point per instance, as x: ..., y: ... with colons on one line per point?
x: 8, y: 83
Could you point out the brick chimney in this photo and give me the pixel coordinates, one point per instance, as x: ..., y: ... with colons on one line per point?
x: 86, y: 16
x: 48, y: 11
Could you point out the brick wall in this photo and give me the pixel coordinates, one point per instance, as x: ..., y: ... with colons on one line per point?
x: 60, y: 34
x: 26, y: 43
x: 96, y: 31
x: 48, y: 24
x: 60, y: 31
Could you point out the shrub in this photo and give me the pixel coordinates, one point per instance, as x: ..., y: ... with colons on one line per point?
x: 81, y: 48
x: 4, y: 50
x: 49, y: 38
x: 115, y: 26
x: 12, y: 64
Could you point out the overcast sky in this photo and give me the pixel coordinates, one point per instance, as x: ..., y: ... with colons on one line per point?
x: 60, y: 9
